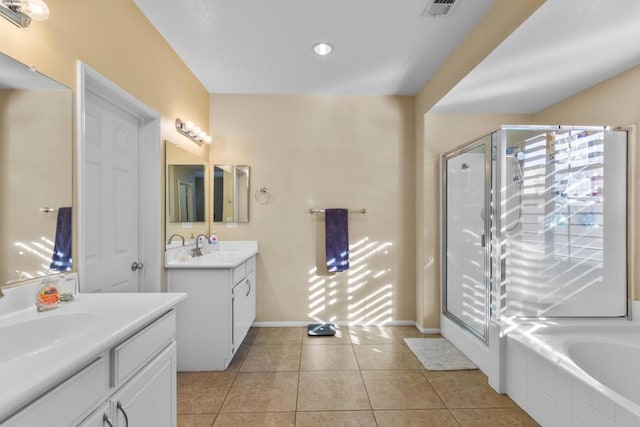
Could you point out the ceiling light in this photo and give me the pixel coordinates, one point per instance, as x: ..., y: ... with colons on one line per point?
x: 322, y: 48
x: 21, y: 12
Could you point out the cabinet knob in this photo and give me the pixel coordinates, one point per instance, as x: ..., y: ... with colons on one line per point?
x: 136, y: 266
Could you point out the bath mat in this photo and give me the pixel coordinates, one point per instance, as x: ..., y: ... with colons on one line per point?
x: 438, y: 354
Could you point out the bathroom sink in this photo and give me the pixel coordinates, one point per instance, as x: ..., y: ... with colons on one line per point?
x: 47, y: 330
x: 213, y: 260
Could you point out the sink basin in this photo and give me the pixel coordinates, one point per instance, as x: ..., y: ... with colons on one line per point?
x: 33, y: 336
x: 212, y: 259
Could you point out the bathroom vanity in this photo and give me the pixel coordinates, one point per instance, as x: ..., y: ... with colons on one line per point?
x: 102, y: 359
x: 221, y: 307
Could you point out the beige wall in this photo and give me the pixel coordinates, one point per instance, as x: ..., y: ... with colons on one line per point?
x: 613, y: 102
x: 322, y: 152
x: 503, y: 17
x: 114, y: 38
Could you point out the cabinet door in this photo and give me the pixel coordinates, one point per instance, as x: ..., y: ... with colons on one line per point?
x: 244, y: 308
x: 149, y: 398
x: 101, y: 417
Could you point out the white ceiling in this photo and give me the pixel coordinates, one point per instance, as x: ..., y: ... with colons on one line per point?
x: 565, y: 47
x: 260, y: 46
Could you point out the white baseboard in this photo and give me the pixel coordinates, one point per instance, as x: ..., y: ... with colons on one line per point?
x: 337, y: 322
x: 427, y: 331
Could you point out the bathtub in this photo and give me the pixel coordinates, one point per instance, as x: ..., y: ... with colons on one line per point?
x: 575, y: 373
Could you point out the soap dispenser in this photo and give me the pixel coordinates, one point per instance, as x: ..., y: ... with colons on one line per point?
x: 47, y: 295
x: 215, y: 243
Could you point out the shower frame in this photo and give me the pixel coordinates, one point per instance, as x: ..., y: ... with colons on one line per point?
x: 487, y: 142
x: 495, y: 144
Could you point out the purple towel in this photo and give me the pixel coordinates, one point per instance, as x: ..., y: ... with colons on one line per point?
x: 61, y: 259
x: 337, y: 239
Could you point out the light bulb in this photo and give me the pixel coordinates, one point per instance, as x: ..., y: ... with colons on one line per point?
x: 195, y: 131
x: 208, y: 139
x: 322, y: 48
x: 36, y: 9
x: 188, y: 126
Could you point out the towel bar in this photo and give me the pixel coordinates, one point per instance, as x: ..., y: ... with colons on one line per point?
x: 361, y: 211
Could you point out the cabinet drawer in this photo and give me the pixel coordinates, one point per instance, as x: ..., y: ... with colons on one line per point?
x: 130, y: 356
x: 67, y: 403
x: 239, y: 272
x: 251, y: 264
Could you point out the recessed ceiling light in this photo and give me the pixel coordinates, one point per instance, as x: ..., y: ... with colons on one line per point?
x: 322, y: 48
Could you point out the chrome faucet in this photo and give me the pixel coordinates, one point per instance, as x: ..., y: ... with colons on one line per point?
x: 175, y: 235
x: 197, y: 251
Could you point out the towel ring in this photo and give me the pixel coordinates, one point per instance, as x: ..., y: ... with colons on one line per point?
x: 262, y: 196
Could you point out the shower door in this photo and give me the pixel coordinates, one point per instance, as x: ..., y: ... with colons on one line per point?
x: 466, y: 239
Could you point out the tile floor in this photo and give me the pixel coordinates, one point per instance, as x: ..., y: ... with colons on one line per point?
x: 364, y: 376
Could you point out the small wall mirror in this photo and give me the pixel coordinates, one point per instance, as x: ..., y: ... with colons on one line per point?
x: 36, y: 189
x: 186, y: 193
x: 187, y: 186
x: 231, y: 193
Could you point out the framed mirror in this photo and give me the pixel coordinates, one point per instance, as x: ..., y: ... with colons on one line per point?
x: 231, y: 193
x: 187, y: 186
x: 36, y: 187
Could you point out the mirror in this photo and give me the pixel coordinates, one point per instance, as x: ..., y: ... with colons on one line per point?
x: 186, y: 191
x: 231, y: 193
x: 36, y: 188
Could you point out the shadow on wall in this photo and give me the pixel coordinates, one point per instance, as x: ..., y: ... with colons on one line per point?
x: 359, y: 295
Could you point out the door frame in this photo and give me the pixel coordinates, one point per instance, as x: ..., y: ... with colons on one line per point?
x: 150, y: 179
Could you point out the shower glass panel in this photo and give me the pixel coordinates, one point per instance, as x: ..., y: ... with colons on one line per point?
x: 466, y: 240
x: 562, y: 222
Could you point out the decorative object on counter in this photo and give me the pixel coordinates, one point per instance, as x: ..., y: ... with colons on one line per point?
x: 21, y: 12
x: 68, y: 288
x: 262, y: 196
x: 192, y: 132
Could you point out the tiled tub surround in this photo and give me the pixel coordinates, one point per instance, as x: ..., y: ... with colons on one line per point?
x: 574, y: 373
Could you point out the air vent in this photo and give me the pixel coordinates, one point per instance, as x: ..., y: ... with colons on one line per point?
x: 439, y: 7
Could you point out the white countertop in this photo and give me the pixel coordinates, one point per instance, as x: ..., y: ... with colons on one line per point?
x: 112, y: 317
x: 230, y: 255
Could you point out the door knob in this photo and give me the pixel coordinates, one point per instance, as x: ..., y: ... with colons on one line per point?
x: 136, y: 266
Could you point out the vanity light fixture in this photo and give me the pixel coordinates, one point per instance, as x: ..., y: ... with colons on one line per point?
x: 21, y: 12
x: 322, y: 48
x: 192, y: 132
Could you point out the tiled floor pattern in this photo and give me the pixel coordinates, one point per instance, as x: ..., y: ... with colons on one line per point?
x: 364, y: 376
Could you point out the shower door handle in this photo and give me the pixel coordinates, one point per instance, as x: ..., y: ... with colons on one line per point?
x: 483, y: 241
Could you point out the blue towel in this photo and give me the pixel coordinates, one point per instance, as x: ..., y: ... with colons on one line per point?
x: 336, y: 239
x: 61, y: 259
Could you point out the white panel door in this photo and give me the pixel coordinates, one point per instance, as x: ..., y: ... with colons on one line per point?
x: 110, y: 198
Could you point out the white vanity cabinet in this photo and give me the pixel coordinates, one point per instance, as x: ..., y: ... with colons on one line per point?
x: 148, y: 399
x: 215, y: 318
x: 132, y: 383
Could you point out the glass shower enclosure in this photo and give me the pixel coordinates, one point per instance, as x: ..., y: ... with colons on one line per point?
x: 534, y: 226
